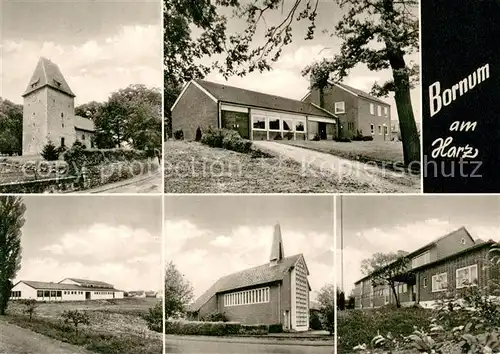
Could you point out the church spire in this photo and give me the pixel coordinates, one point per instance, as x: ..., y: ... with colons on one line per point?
x: 277, y: 251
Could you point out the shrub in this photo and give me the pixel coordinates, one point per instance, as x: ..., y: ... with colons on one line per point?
x: 30, y: 306
x: 179, y: 134
x: 76, y: 318
x: 288, y: 135
x: 215, y: 316
x: 50, y: 152
x: 314, y: 321
x: 276, y: 328
x: 368, y: 138
x: 343, y: 140
x: 226, y: 139
x: 316, y: 137
x: 254, y: 329
x: 278, y: 137
x: 202, y: 328
x: 154, y: 318
x: 198, y: 134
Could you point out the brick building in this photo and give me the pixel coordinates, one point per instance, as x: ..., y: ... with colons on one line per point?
x: 68, y: 289
x: 359, y: 113
x: 273, y: 293
x: 444, y: 266
x: 49, y: 112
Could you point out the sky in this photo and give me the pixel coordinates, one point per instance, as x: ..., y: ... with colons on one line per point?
x: 100, y: 46
x: 207, y: 242
x: 390, y: 223
x: 112, y: 239
x: 286, y: 80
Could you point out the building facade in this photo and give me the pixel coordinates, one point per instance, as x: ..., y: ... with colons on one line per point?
x: 359, y: 113
x: 49, y: 112
x: 273, y: 293
x: 256, y: 116
x: 446, y: 266
x: 69, y: 289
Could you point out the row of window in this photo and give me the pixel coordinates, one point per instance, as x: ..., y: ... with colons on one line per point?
x: 340, y: 109
x: 15, y: 294
x: 278, y: 124
x: 463, y: 277
x: 372, y: 129
x: 247, y: 297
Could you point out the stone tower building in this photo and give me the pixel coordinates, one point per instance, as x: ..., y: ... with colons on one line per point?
x: 49, y: 111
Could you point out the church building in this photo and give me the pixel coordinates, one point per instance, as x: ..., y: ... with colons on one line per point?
x: 49, y: 112
x: 273, y: 293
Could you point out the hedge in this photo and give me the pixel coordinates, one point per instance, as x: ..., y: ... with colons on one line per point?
x: 202, y: 328
x: 226, y: 139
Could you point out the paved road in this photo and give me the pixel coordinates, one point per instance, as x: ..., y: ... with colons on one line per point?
x: 185, y: 346
x: 354, y: 175
x: 142, y: 184
x: 16, y: 340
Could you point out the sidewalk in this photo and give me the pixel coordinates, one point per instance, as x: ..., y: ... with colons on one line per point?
x: 123, y: 183
x: 268, y: 339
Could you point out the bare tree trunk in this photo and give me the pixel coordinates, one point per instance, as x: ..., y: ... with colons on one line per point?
x: 393, y: 287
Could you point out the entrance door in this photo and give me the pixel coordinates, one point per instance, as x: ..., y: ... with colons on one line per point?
x: 87, y: 295
x: 322, y: 130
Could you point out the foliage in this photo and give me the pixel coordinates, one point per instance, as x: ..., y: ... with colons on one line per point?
x: 202, y: 328
x: 340, y: 299
x: 198, y: 134
x: 12, y: 211
x: 315, y: 321
x: 351, y: 302
x: 178, y: 292
x: 30, y: 306
x: 342, y: 140
x: 254, y: 329
x: 50, y: 152
x: 76, y: 318
x: 215, y: 316
x: 11, y: 127
x: 316, y: 137
x: 154, y: 318
x: 90, y: 110
x: 179, y: 134
x: 226, y: 139
x: 384, y: 268
x: 326, y: 300
x: 276, y: 328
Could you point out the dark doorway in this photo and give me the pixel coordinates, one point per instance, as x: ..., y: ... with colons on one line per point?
x: 322, y: 130
x: 87, y: 295
x: 62, y: 142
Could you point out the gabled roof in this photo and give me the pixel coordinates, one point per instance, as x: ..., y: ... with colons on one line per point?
x: 236, y: 95
x: 89, y: 283
x: 48, y: 74
x: 262, y: 274
x: 82, y: 123
x: 357, y: 92
x: 41, y: 285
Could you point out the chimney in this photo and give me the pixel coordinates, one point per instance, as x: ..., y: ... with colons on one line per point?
x: 277, y: 251
x: 401, y: 253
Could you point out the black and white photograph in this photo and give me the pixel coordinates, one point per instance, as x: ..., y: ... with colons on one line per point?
x: 302, y: 96
x: 421, y: 273
x: 84, y: 281
x: 254, y: 275
x: 80, y: 96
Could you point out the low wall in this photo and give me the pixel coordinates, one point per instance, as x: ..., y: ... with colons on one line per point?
x: 50, y: 185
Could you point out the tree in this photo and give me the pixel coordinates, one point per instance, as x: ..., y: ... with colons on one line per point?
x: 11, y: 127
x: 76, y: 318
x: 351, y: 302
x: 340, y: 299
x: 326, y: 298
x: 178, y: 292
x: 11, y: 221
x: 386, y: 269
x: 90, y: 110
x: 30, y: 306
x: 50, y: 152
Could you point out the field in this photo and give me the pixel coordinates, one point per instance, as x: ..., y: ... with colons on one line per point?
x: 356, y: 150
x: 116, y: 326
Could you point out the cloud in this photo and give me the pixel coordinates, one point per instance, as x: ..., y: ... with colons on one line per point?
x: 204, y: 256
x: 408, y: 237
x: 89, y: 68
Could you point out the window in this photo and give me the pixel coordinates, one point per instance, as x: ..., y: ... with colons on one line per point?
x: 39, y: 293
x: 299, y: 126
x: 274, y: 123
x: 259, y: 122
x: 379, y: 111
x: 379, y: 130
x: 247, y: 297
x: 52, y: 294
x: 15, y: 294
x: 422, y: 259
x: 372, y: 109
x: 439, y: 282
x: 62, y: 141
x: 425, y: 282
x: 339, y: 107
x: 288, y: 124
x: 46, y: 293
x: 466, y: 276
x: 386, y: 111
x: 59, y: 293
x: 386, y: 131
x: 372, y: 129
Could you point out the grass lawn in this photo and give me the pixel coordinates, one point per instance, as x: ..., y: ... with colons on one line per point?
x: 191, y: 167
x: 116, y: 326
x: 356, y: 150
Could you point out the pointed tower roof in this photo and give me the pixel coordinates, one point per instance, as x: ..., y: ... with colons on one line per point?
x: 48, y: 74
x: 277, y: 251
